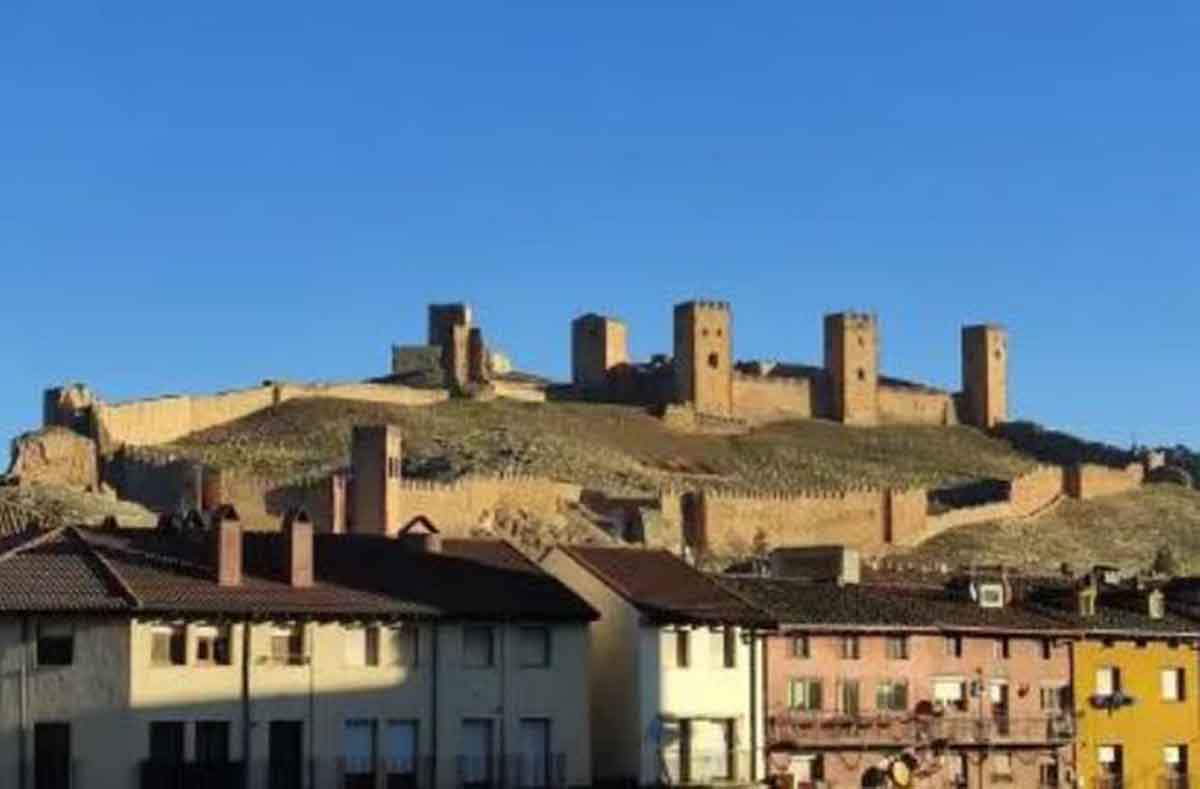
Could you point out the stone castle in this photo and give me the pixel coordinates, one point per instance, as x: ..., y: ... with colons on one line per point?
x: 703, y: 376
x: 86, y: 442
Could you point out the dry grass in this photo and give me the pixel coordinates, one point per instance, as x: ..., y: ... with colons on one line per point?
x: 1125, y: 530
x: 51, y: 506
x: 615, y: 448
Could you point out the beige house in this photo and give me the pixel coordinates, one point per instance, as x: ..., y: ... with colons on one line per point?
x: 676, y: 668
x: 209, y: 658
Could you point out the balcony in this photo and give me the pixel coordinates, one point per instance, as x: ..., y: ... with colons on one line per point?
x: 691, y: 767
x: 806, y: 729
x: 514, y: 771
x: 1175, y: 781
x: 192, y: 775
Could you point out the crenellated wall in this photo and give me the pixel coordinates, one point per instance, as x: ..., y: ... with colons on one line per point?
x: 1089, y: 481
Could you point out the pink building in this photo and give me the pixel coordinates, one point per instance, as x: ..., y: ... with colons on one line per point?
x: 961, y: 685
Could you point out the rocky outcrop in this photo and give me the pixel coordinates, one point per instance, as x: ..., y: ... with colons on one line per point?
x: 55, y: 456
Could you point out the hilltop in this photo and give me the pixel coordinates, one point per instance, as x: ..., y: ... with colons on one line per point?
x: 619, y: 449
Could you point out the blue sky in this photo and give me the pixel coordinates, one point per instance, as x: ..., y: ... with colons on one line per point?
x: 196, y: 196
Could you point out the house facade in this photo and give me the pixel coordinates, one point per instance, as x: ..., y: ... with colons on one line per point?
x: 676, y: 669
x: 286, y: 662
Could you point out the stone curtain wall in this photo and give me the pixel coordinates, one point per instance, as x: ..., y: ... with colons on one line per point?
x: 459, y: 506
x: 164, y: 419
x: 157, y: 480
x: 1089, y: 481
x: 1036, y: 490
x: 908, y: 406
x: 760, y: 399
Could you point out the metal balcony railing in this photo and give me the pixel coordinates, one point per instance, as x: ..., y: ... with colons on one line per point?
x: 832, y: 728
x: 688, y: 767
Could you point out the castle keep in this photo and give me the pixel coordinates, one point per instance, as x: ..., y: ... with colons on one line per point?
x: 704, y: 377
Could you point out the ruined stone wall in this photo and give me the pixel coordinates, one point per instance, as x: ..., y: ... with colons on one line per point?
x: 1089, y: 481
x: 157, y: 480
x: 1036, y: 490
x: 165, y: 419
x: 55, y: 456
x: 732, y: 524
x: 459, y: 506
x: 761, y: 399
x: 516, y: 390
x: 912, y: 406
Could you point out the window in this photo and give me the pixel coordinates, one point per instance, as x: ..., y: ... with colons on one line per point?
x: 677, y: 652
x: 1108, y: 680
x: 358, y: 754
x: 55, y: 644
x: 848, y: 697
x: 891, y: 696
x: 1111, y: 760
x: 533, y: 767
x: 362, y: 645
x: 1176, y: 762
x: 168, y: 645
x: 479, y: 646
x: 535, y: 647
x: 1172, y: 684
x: 166, y: 742
x: 951, y: 693
x: 212, y: 645
x: 851, y: 648
x: 714, y: 361
x: 1001, y: 649
x: 805, y: 695
x: 1055, y: 698
x: 212, y: 742
x: 991, y: 596
x: 1001, y: 764
x: 400, y: 752
x: 405, y: 644
x: 954, y: 646
x: 801, y: 647
x: 287, y: 645
x: 728, y: 648
x: 1048, y: 774
x: 897, y: 647
x: 1047, y: 648
x: 476, y: 753
x: 1157, y: 605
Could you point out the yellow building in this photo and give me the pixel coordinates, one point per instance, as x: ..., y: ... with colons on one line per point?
x: 1138, y: 720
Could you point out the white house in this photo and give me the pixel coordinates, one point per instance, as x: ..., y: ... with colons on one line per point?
x: 209, y: 658
x: 676, y: 668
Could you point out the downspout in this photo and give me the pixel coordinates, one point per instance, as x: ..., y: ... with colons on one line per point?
x: 753, y: 706
x: 23, y: 754
x: 433, y: 704
x: 246, y: 769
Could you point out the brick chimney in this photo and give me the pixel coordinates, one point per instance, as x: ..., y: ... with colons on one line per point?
x: 420, y: 536
x: 227, y: 546
x: 298, y: 548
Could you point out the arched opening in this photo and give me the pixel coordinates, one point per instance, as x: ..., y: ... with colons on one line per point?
x: 714, y: 361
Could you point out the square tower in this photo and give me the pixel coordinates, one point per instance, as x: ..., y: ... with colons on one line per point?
x: 985, y: 375
x: 598, y: 344
x: 852, y: 364
x: 375, y: 462
x: 703, y: 356
x: 442, y: 319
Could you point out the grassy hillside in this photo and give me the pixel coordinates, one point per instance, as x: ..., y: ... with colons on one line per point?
x: 1125, y: 530
x: 617, y: 448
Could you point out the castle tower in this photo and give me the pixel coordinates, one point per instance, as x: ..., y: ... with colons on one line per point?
x: 598, y: 344
x: 703, y: 356
x: 985, y: 375
x: 852, y: 364
x: 443, y: 317
x: 375, y: 459
x: 478, y: 366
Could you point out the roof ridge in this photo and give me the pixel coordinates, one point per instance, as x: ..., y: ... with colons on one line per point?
x: 117, y: 579
x: 33, y: 541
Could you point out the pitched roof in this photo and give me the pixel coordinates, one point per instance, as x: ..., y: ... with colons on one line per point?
x: 664, y: 587
x: 147, y: 571
x: 1038, y: 605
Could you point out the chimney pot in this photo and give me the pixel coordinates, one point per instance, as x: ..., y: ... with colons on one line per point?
x: 298, y: 548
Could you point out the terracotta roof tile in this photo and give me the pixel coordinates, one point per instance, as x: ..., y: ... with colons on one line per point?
x: 664, y: 587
